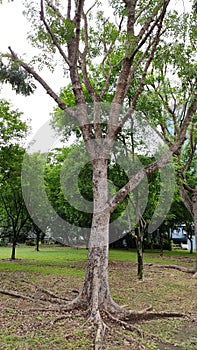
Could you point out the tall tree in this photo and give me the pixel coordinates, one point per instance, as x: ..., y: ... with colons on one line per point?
x: 32, y: 170
x: 12, y: 132
x: 11, y: 197
x: 12, y: 128
x: 170, y: 89
x: 187, y: 181
x: 121, y: 49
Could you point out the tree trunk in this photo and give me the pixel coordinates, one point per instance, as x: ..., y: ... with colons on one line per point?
x: 37, y: 241
x: 96, y: 289
x: 13, y: 254
x: 191, y: 243
x: 194, y: 204
x: 161, y: 243
x: 139, y: 246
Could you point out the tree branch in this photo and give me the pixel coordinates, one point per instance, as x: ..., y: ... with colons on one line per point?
x: 107, y: 82
x: 77, y: 21
x: 150, y: 19
x: 142, y: 82
x: 55, y: 9
x: 42, y: 82
x: 193, y: 150
x: 159, y: 164
x: 83, y: 56
x: 69, y: 9
x: 54, y: 40
x: 135, y: 67
x: 186, y: 200
x: 176, y: 148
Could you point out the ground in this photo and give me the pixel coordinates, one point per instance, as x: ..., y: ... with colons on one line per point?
x: 30, y: 322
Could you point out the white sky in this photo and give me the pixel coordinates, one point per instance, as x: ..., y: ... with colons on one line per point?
x: 13, y: 29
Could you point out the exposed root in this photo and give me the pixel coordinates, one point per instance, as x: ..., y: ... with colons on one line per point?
x: 68, y: 316
x: 46, y: 291
x: 64, y: 305
x: 31, y: 298
x: 174, y: 267
x: 42, y: 310
x: 135, y: 316
x: 195, y: 275
x: 76, y: 291
x: 124, y: 318
x: 15, y: 294
x: 96, y: 318
x: 140, y: 315
x: 113, y: 312
x: 100, y: 335
x: 125, y: 325
x: 76, y: 303
x: 113, y: 308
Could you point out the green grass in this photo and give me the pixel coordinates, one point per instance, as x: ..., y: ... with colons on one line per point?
x: 46, y: 254
x: 49, y: 260
x: 58, y: 256
x: 150, y: 256
x: 69, y: 261
x: 21, y: 342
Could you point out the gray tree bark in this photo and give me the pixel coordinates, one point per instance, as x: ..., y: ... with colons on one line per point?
x: 194, y: 210
x: 95, y: 287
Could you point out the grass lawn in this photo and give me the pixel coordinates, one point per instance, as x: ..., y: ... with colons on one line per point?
x: 26, y: 323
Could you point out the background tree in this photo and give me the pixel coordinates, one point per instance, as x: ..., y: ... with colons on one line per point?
x: 60, y: 165
x: 187, y: 181
x: 12, y: 132
x: 170, y: 88
x: 11, y: 196
x: 12, y: 128
x: 36, y: 201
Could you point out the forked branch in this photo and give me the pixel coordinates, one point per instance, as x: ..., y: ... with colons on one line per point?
x: 52, y: 35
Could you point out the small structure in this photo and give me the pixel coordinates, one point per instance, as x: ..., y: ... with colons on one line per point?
x: 179, y: 235
x: 30, y: 238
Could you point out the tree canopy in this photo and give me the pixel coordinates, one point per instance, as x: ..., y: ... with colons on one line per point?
x: 12, y: 128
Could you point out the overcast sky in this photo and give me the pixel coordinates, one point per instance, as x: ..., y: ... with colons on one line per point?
x: 13, y: 29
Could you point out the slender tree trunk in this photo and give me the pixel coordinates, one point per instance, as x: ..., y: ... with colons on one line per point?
x: 13, y: 253
x: 161, y: 244
x: 96, y: 289
x: 169, y: 241
x: 194, y: 204
x: 37, y: 241
x: 152, y: 242
x: 191, y: 243
x: 139, y: 246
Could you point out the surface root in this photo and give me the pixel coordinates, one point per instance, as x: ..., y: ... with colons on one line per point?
x: 46, y: 291
x: 109, y: 312
x: 173, y: 267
